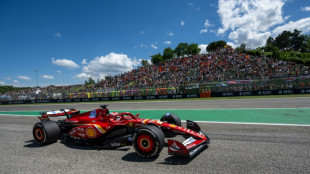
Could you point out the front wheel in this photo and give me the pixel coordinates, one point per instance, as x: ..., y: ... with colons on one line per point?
x: 148, y: 141
x: 171, y: 119
x: 46, y: 132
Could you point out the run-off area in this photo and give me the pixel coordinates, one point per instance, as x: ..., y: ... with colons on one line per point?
x: 286, y: 116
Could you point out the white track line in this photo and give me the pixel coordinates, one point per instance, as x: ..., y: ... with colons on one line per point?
x: 206, y: 109
x: 212, y: 122
x: 247, y: 123
x: 209, y: 109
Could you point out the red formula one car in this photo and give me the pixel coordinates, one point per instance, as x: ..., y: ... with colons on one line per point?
x: 112, y: 130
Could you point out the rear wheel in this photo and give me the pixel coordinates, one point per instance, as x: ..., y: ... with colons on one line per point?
x: 46, y: 132
x: 148, y: 141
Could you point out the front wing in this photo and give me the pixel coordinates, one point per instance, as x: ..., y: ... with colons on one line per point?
x: 189, y: 148
x: 197, y: 142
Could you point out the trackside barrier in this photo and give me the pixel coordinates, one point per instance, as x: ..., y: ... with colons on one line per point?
x: 262, y: 92
x: 149, y: 97
x: 168, y: 96
x: 205, y: 94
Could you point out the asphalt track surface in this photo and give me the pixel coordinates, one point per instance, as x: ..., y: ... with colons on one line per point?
x: 234, y: 148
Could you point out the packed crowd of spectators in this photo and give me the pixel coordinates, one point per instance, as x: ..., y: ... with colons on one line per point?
x: 219, y: 66
x: 43, y: 92
x: 222, y: 65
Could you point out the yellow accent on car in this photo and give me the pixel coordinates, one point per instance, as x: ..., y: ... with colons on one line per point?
x: 99, y: 128
x: 144, y: 121
x: 172, y: 125
x: 90, y: 132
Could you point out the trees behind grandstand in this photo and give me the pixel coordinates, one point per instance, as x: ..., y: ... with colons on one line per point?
x: 157, y: 58
x: 290, y: 46
x: 186, y: 49
x: 90, y: 81
x: 181, y: 50
x: 289, y: 41
x: 213, y: 46
x: 145, y: 63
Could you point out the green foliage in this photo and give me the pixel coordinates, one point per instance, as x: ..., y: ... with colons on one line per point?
x: 241, y: 48
x: 289, y: 46
x: 193, y: 49
x: 90, y: 81
x: 298, y: 57
x: 297, y: 40
x: 168, y: 53
x: 181, y: 49
x: 213, y: 46
x: 187, y: 49
x: 289, y: 41
x: 256, y: 52
x: 275, y: 52
x: 145, y: 63
x: 286, y: 41
x: 157, y: 59
x: 306, y: 44
x: 221, y: 44
x: 269, y: 44
x: 282, y: 41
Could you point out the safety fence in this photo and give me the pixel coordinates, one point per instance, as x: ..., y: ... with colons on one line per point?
x: 168, y: 96
x: 294, y: 85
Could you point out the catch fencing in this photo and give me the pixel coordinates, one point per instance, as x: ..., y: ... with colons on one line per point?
x: 294, y: 85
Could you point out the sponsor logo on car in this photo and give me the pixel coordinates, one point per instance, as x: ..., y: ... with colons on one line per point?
x: 115, y: 144
x: 174, y: 147
x: 90, y: 132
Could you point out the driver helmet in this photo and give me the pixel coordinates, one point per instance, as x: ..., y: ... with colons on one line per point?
x: 113, y: 113
x: 168, y: 114
x: 117, y: 117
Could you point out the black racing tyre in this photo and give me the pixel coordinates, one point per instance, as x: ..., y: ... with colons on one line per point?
x: 46, y: 132
x: 148, y: 141
x: 172, y: 119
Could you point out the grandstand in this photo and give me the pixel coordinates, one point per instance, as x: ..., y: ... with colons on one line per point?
x: 224, y: 70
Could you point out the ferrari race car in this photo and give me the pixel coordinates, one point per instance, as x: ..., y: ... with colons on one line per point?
x: 101, y: 128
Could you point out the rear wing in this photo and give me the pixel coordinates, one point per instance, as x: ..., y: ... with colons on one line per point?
x: 57, y: 113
